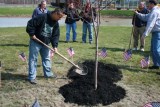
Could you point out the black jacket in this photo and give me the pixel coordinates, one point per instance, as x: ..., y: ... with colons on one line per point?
x: 88, y: 17
x: 72, y: 16
x: 44, y: 28
x: 138, y: 22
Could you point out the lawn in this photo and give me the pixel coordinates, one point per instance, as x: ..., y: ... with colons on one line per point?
x: 27, y: 11
x: 18, y: 11
x: 120, y: 13
x: 141, y: 85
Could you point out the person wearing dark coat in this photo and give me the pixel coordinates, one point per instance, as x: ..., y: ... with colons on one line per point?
x: 139, y: 27
x: 88, y: 20
x: 72, y: 17
x: 46, y: 28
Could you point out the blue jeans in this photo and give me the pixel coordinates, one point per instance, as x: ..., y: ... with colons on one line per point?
x: 155, y: 48
x: 34, y: 49
x: 88, y: 26
x: 68, y: 29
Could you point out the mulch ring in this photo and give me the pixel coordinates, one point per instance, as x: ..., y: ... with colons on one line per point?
x: 81, y: 90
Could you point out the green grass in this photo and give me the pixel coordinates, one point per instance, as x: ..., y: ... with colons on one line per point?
x: 17, y: 11
x: 122, y: 13
x: 14, y: 71
x: 15, y: 40
x: 27, y: 11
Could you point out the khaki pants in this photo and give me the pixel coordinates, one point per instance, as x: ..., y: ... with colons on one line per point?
x: 137, y: 34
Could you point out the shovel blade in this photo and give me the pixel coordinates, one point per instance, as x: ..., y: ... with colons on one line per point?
x: 80, y: 71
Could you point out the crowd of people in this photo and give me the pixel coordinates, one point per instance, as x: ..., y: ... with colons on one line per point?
x: 152, y: 20
x: 44, y: 26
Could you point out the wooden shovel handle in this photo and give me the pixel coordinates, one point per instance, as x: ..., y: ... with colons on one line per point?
x: 58, y: 53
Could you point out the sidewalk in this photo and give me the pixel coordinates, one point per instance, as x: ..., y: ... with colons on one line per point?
x: 107, y: 21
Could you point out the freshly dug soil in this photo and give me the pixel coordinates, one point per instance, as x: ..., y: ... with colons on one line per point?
x: 81, y: 90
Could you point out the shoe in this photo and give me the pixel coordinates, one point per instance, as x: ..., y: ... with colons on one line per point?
x: 154, y: 67
x: 90, y: 42
x: 53, y: 76
x: 33, y: 81
x: 142, y: 49
x: 83, y: 41
x: 135, y: 49
x: 66, y: 41
x: 74, y: 41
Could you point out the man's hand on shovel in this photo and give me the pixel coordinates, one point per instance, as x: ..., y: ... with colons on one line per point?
x: 78, y: 69
x: 55, y: 50
x: 135, y: 12
x: 33, y: 37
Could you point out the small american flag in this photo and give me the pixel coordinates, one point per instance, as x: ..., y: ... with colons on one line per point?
x: 127, y: 55
x: 155, y: 104
x: 103, y: 53
x: 152, y: 104
x: 36, y: 104
x: 22, y: 56
x: 70, y: 51
x: 145, y: 62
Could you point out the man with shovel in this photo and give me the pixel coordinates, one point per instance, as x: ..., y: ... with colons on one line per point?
x: 153, y: 26
x: 45, y: 27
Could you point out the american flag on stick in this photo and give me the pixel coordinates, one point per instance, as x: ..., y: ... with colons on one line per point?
x: 127, y: 55
x: 36, y: 104
x: 145, y: 62
x: 22, y: 56
x: 152, y: 104
x: 70, y: 51
x: 103, y: 53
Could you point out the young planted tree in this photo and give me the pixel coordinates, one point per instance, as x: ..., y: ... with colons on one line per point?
x: 95, y: 8
x: 96, y: 26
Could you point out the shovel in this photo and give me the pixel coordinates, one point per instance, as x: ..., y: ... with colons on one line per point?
x: 133, y: 28
x: 78, y: 69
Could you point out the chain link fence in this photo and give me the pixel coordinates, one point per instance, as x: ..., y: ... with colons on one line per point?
x: 23, y: 1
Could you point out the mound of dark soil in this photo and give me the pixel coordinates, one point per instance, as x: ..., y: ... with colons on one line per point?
x: 81, y: 90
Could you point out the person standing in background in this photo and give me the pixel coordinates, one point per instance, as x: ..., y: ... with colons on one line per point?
x: 41, y: 9
x: 72, y: 17
x: 153, y: 26
x: 139, y: 27
x: 88, y: 22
